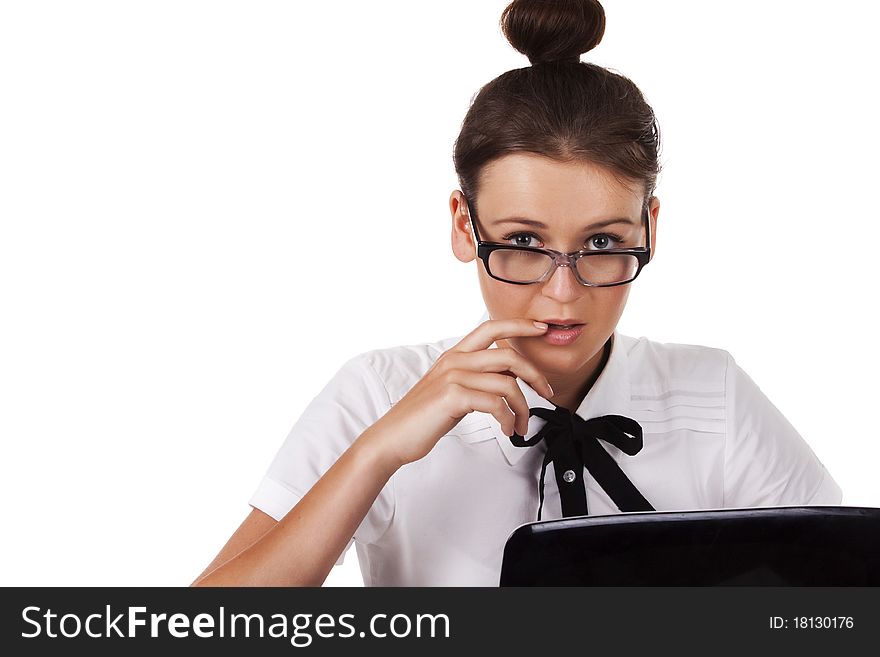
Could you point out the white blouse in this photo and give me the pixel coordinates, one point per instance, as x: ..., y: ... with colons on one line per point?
x: 712, y: 440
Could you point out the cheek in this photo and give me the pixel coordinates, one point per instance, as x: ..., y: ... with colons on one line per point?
x: 504, y: 300
x: 609, y: 303
x: 605, y: 310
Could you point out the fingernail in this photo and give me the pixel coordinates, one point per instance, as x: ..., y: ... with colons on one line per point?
x: 540, y: 325
x: 549, y: 387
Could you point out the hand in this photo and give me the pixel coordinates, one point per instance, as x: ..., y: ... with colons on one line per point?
x: 467, y: 377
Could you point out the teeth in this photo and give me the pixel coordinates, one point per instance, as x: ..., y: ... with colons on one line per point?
x: 562, y: 326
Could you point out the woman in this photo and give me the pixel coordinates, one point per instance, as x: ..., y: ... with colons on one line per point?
x: 428, y: 456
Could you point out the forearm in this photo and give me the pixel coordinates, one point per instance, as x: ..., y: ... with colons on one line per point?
x: 303, y: 547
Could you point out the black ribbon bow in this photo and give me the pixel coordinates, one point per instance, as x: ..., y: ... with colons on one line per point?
x: 572, y: 445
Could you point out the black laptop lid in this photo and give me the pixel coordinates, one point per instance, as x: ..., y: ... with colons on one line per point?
x: 772, y: 546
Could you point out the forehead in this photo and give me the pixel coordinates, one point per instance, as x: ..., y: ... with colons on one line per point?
x: 533, y: 185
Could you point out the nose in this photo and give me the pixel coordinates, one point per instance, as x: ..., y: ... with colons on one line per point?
x: 563, y: 285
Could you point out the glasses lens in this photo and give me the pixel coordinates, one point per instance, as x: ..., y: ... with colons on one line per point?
x: 518, y: 266
x: 608, y: 268
x: 527, y: 266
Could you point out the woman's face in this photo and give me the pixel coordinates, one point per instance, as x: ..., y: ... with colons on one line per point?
x: 568, y: 198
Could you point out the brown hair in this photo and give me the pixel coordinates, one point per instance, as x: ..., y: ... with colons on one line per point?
x: 559, y: 107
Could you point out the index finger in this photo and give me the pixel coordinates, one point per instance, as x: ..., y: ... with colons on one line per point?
x: 491, y: 330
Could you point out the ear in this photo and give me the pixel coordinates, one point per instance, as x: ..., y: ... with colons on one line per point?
x: 463, y: 245
x: 653, y: 212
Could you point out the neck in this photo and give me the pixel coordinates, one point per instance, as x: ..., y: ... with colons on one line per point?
x: 570, y: 392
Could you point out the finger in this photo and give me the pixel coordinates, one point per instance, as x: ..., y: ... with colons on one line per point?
x: 486, y: 402
x: 500, y: 385
x: 491, y: 330
x: 502, y: 361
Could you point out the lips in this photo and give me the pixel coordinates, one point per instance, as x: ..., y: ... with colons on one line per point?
x: 563, y: 324
x: 562, y: 336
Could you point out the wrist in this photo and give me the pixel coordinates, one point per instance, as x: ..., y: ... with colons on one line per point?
x: 373, y: 446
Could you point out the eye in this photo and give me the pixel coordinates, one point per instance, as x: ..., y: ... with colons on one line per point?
x: 605, y: 241
x: 522, y: 239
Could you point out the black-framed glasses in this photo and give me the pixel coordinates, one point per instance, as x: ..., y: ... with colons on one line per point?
x: 525, y: 265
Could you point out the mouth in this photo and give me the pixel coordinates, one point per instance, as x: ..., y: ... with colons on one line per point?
x: 562, y: 324
x: 562, y: 334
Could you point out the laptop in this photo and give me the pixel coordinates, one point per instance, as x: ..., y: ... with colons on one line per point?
x: 763, y: 546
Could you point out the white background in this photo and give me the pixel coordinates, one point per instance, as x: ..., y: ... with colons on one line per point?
x: 207, y: 207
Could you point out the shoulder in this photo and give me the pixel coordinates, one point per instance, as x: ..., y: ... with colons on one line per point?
x: 399, y: 368
x: 650, y: 360
x: 677, y: 389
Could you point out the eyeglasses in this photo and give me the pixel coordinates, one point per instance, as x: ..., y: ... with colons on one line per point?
x: 524, y: 265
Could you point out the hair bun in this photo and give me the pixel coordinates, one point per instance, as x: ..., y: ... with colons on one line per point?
x: 553, y: 30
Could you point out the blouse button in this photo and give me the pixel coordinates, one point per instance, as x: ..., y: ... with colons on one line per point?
x: 568, y: 476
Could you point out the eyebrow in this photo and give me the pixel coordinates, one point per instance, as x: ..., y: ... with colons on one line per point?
x: 538, y: 224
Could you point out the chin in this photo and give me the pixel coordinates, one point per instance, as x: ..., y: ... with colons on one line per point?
x: 552, y: 358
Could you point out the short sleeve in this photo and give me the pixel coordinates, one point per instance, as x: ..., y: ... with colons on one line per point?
x: 766, y: 461
x: 353, y: 399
